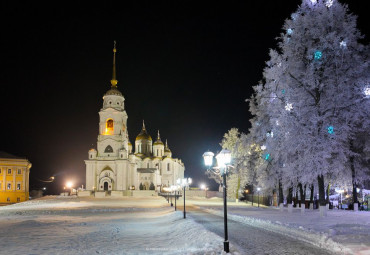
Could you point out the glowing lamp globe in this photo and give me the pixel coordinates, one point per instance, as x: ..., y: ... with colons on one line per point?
x: 190, y: 180
x: 223, y: 158
x: 203, y: 186
x: 208, y: 158
x: 69, y: 184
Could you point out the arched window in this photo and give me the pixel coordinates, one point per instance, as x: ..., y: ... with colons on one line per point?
x: 108, y: 149
x: 109, y: 126
x: 168, y: 166
x: 147, y: 165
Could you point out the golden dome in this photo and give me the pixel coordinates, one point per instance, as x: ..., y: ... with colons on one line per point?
x: 158, y: 142
x: 143, y: 134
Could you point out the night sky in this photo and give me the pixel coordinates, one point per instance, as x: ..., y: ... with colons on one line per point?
x: 185, y: 67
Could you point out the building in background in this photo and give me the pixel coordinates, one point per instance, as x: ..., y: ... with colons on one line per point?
x: 14, y: 178
x: 116, y: 166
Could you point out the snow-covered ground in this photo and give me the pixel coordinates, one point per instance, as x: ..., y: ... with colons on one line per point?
x: 341, y: 231
x: 70, y: 225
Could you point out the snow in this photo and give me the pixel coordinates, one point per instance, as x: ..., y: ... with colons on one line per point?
x: 71, y: 225
x: 341, y: 231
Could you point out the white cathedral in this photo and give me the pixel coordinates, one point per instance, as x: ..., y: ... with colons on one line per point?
x: 115, y: 166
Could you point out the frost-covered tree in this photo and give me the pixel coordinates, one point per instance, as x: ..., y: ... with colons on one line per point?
x: 313, y: 96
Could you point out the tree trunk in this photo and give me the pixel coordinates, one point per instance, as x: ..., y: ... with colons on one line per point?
x: 320, y: 180
x: 303, y: 194
x: 290, y: 196
x: 328, y: 194
x: 296, y: 198
x: 354, y: 184
x: 281, y: 195
x: 311, y: 195
x: 237, y: 189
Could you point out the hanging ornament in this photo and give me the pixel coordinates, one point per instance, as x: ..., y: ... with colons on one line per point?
x: 289, y: 31
x: 331, y: 130
x: 283, y: 91
x: 317, y: 55
x: 313, y: 1
x: 266, y: 156
x: 288, y: 107
x: 343, y: 44
x: 367, y: 91
x: 329, y: 3
x: 263, y: 147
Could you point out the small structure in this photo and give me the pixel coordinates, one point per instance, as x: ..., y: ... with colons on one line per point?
x: 14, y: 178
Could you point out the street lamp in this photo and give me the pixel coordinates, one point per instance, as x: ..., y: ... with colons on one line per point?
x: 223, y: 162
x: 174, y: 189
x: 258, y: 193
x: 204, y: 187
x: 184, y: 183
x: 69, y: 185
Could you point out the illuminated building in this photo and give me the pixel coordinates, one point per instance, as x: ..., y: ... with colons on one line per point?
x: 14, y: 178
x: 115, y: 166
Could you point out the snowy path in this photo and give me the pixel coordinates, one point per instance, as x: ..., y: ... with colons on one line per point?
x: 59, y: 226
x: 252, y: 240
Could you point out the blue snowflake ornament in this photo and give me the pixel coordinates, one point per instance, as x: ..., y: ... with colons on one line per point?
x: 331, y: 130
x: 317, y: 55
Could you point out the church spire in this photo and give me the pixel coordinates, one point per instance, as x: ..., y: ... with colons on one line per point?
x: 114, y: 80
x: 143, y: 125
x: 158, y: 137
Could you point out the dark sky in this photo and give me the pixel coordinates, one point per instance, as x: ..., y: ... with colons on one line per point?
x: 185, y: 67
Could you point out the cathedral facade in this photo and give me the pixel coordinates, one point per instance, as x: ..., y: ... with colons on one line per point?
x: 115, y: 165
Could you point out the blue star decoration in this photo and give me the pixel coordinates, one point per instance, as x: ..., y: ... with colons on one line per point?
x: 266, y: 156
x: 331, y: 130
x: 317, y: 55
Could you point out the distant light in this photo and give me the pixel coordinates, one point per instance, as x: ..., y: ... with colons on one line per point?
x: 258, y: 189
x: 203, y: 186
x: 44, y: 188
x: 317, y: 55
x: 69, y: 184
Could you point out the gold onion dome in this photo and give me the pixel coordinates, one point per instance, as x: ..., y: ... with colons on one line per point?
x: 166, y: 149
x: 143, y: 134
x: 158, y: 142
x: 113, y: 92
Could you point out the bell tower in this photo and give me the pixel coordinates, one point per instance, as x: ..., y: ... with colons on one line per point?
x: 113, y: 137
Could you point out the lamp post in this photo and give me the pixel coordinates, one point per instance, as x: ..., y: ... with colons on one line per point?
x: 204, y: 187
x: 258, y: 193
x: 184, y: 183
x: 223, y: 162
